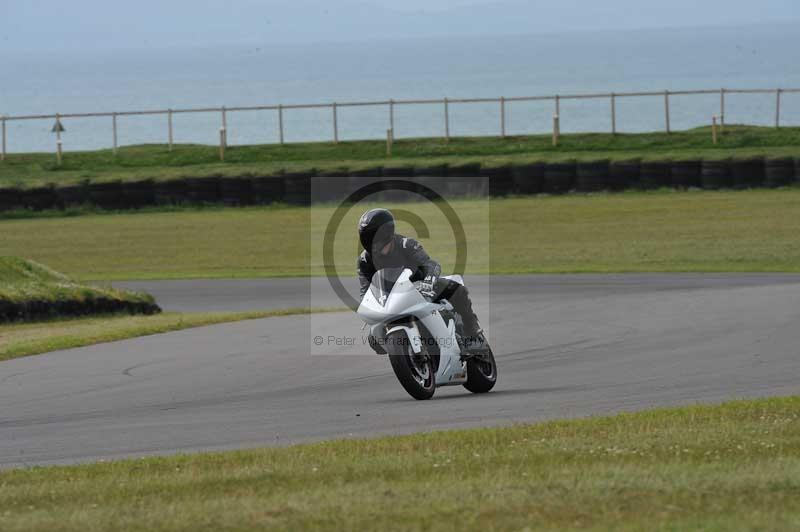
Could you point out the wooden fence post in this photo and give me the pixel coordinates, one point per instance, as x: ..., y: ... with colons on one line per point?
x: 335, y: 125
x: 613, y: 114
x: 714, y: 129
x: 446, y: 120
x: 503, y: 116
x: 280, y: 122
x: 391, y: 115
x: 556, y: 129
x: 169, y: 120
x: 114, y: 129
x: 666, y: 111
x: 225, y: 125
x: 58, y: 139
x: 778, y: 107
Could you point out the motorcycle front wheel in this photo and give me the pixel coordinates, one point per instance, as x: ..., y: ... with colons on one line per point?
x: 414, y: 371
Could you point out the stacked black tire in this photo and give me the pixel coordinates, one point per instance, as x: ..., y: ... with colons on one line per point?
x: 716, y: 175
x: 593, y: 176
x: 528, y: 178
x: 109, y: 196
x: 237, y: 191
x: 747, y: 173
x: 559, y: 178
x: 501, y: 179
x: 778, y: 172
x: 686, y: 174
x: 625, y: 174
x: 654, y: 175
x: 171, y: 192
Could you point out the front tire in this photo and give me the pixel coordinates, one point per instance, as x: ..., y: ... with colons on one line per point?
x: 415, y: 372
x: 481, y: 373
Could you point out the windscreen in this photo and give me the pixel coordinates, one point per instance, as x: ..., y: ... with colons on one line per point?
x: 383, y: 281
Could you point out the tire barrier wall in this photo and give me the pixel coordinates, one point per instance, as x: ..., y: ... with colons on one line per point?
x: 237, y: 191
x: 778, y: 172
x: 686, y: 174
x: 654, y: 175
x: 559, y: 177
x: 268, y: 190
x: 528, y: 178
x: 172, y: 192
x: 139, y: 193
x: 593, y: 176
x: 625, y: 174
x: 523, y: 179
x: 797, y: 171
x: 203, y: 190
x: 748, y: 174
x: 107, y: 196
x: 39, y: 199
x: 75, y: 195
x: 37, y: 309
x: 716, y: 175
x: 10, y: 199
x: 297, y: 189
x: 501, y: 179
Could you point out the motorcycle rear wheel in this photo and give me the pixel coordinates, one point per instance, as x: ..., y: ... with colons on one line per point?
x: 415, y: 372
x: 481, y: 373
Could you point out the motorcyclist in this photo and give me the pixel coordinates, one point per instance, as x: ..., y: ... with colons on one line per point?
x: 383, y: 248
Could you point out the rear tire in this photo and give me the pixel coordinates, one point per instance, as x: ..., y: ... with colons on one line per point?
x: 415, y: 372
x: 481, y: 373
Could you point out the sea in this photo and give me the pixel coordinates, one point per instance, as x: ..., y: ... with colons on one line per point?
x: 102, y: 80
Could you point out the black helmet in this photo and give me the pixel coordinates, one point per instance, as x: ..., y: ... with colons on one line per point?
x: 375, y: 229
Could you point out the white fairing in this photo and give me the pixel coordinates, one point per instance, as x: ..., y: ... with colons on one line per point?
x: 405, y: 300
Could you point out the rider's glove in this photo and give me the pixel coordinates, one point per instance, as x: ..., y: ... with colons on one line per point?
x: 427, y: 287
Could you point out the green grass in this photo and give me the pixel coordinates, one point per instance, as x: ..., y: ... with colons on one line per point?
x: 734, y: 466
x: 24, y: 339
x: 156, y: 161
x: 663, y: 231
x: 29, y: 289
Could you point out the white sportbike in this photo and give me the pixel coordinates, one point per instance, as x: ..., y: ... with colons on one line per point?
x: 423, y: 338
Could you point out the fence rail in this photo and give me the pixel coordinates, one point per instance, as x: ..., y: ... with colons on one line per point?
x: 391, y: 104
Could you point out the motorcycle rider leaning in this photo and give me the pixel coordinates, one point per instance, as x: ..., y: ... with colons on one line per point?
x: 383, y: 248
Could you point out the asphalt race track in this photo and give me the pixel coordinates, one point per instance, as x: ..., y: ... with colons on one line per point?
x: 566, y: 346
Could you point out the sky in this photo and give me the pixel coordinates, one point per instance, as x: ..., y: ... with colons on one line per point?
x: 58, y: 25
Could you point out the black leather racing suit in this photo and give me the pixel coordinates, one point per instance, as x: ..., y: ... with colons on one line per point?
x: 408, y: 253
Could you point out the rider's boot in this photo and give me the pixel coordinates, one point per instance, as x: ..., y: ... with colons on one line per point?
x: 475, y: 341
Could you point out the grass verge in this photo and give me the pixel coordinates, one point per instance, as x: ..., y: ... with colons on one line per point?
x: 29, y: 290
x: 24, y: 339
x: 734, y: 466
x: 158, y: 162
x: 663, y: 231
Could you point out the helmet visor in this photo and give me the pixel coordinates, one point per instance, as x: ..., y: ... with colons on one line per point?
x: 382, y: 236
